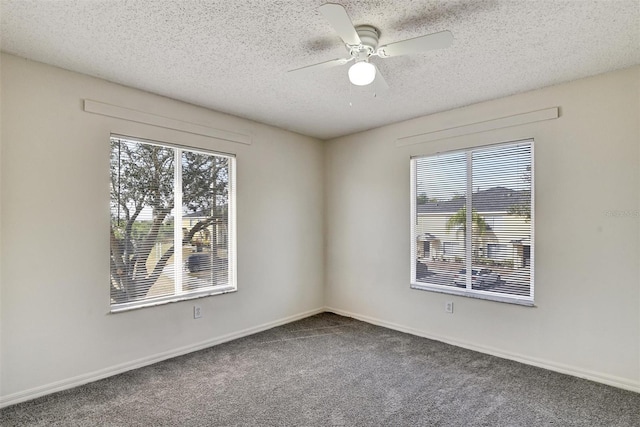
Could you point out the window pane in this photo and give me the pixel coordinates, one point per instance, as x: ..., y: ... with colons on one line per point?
x: 205, y: 220
x: 440, y: 219
x: 501, y: 206
x: 142, y: 198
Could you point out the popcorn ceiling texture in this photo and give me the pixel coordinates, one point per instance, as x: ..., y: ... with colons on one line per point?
x: 233, y: 56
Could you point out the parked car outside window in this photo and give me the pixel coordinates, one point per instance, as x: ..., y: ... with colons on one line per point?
x: 479, y: 278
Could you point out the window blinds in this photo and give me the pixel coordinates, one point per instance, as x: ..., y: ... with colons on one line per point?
x: 473, y: 222
x: 172, y: 228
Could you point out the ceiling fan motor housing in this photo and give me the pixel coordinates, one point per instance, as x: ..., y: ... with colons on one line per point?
x: 368, y: 42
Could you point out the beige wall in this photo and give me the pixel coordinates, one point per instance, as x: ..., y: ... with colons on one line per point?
x: 587, y: 280
x: 55, y: 326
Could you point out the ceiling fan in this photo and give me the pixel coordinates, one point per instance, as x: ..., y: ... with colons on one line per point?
x: 362, y: 44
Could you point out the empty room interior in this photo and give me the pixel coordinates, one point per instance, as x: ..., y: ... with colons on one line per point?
x: 308, y: 213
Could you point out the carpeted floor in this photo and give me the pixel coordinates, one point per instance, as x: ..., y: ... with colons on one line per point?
x: 329, y: 370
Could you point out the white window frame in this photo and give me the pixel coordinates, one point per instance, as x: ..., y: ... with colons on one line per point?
x: 468, y: 291
x: 180, y: 294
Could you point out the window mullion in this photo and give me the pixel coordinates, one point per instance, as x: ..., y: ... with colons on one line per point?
x: 177, y: 225
x: 468, y: 235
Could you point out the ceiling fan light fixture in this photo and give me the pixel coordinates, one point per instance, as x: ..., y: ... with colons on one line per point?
x: 362, y: 73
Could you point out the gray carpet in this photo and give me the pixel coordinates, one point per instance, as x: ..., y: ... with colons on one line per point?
x: 329, y: 370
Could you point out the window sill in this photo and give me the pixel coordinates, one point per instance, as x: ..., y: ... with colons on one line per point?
x: 526, y: 301
x: 134, y: 305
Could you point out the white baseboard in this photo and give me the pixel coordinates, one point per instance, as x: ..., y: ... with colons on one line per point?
x: 65, y: 384
x: 611, y: 380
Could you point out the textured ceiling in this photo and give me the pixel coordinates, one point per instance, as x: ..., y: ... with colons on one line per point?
x: 233, y: 56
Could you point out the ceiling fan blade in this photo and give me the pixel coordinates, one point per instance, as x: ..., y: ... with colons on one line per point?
x: 419, y: 44
x: 337, y: 16
x: 320, y: 66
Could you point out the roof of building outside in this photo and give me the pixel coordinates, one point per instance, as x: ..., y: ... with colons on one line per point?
x: 496, y: 199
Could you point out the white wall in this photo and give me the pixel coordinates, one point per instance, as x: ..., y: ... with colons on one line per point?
x: 587, y: 275
x: 55, y: 326
x: 55, y: 330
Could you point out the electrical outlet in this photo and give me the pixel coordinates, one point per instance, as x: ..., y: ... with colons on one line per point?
x: 448, y: 306
x: 197, y: 312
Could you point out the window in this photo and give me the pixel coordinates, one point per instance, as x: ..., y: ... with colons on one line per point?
x: 163, y: 198
x: 475, y: 208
